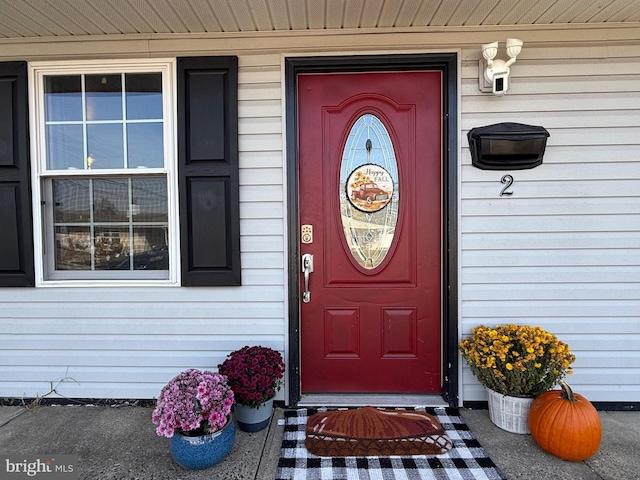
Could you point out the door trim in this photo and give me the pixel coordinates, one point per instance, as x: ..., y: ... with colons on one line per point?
x: 447, y: 63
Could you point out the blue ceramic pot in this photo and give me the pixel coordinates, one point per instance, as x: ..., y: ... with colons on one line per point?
x: 197, y: 453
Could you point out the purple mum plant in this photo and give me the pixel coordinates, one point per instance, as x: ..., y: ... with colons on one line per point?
x: 254, y: 373
x: 194, y: 403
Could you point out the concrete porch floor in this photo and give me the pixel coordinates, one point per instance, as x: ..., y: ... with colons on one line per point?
x: 120, y: 443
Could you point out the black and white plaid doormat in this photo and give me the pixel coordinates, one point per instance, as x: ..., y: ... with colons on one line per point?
x: 467, y: 460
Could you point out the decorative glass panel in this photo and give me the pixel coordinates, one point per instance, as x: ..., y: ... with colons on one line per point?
x: 369, y: 194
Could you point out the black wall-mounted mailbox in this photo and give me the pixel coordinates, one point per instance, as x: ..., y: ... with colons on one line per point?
x: 507, y: 146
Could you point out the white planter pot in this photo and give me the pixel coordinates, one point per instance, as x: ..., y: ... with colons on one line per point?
x: 253, y: 419
x: 510, y: 413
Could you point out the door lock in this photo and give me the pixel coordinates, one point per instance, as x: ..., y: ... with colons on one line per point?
x: 306, y: 234
x: 307, y: 269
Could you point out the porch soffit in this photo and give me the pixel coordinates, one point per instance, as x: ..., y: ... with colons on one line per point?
x: 69, y: 18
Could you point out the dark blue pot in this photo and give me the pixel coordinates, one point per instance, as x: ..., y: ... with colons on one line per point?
x: 197, y: 453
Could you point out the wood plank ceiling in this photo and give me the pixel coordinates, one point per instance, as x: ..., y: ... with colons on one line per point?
x: 46, y: 18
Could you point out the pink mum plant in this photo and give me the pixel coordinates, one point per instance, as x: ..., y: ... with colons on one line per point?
x: 194, y: 403
x: 255, y: 374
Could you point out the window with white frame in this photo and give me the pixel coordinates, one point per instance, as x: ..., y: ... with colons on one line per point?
x: 104, y: 171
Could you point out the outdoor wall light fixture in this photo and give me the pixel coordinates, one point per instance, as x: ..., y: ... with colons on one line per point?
x: 493, y: 74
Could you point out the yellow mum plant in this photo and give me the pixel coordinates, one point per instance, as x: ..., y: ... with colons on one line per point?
x: 516, y: 360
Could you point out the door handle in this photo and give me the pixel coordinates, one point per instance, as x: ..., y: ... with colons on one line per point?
x: 307, y: 269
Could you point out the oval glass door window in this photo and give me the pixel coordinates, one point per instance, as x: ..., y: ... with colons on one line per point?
x: 369, y: 194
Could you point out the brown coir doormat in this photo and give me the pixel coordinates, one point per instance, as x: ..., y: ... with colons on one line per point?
x: 369, y: 431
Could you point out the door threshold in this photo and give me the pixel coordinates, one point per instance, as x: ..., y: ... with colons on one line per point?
x: 371, y: 399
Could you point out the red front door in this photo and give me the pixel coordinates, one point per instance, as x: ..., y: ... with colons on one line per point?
x: 370, y: 167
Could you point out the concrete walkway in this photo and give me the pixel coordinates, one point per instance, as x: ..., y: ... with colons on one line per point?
x: 518, y: 456
x: 120, y: 443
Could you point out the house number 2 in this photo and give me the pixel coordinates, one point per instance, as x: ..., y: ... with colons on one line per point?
x: 508, y: 181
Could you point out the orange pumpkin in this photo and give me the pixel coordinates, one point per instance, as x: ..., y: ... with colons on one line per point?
x: 565, y: 424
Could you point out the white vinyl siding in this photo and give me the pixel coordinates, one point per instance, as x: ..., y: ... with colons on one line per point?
x: 563, y: 252
x: 262, y: 215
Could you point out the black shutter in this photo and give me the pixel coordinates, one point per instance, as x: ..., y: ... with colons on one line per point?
x: 208, y: 170
x: 16, y: 228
